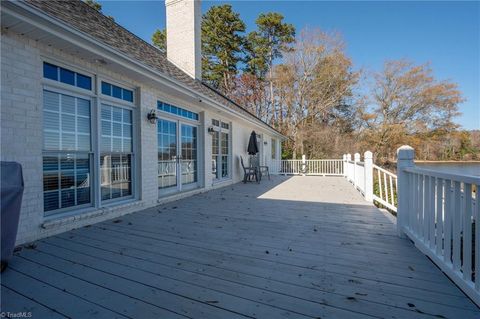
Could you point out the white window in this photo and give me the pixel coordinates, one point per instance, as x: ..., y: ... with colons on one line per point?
x: 71, y: 152
x: 221, y: 150
x: 116, y: 150
x: 67, y: 152
x: 274, y: 148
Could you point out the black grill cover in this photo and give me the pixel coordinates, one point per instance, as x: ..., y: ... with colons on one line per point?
x: 11, y: 192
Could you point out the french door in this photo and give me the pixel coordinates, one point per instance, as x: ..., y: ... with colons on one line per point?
x: 177, y: 156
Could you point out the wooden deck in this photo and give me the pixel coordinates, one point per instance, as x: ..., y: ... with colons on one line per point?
x: 300, y: 247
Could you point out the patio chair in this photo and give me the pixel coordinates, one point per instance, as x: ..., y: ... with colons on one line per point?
x: 249, y: 172
x: 262, y: 169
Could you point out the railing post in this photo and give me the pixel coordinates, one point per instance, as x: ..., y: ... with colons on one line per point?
x: 405, y: 159
x: 368, y: 160
x: 344, y: 165
x: 356, y: 158
x: 349, y: 173
x: 304, y: 164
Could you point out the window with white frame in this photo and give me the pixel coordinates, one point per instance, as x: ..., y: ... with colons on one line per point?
x: 274, y: 148
x: 67, y: 155
x: 221, y: 149
x: 70, y: 160
x: 116, y: 150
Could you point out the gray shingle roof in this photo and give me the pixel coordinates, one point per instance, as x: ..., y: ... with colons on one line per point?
x: 82, y: 17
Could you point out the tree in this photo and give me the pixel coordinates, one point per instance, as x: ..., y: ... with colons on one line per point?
x: 268, y: 43
x: 222, y: 45
x: 407, y: 103
x: 159, y: 39
x: 314, y: 88
x: 94, y: 4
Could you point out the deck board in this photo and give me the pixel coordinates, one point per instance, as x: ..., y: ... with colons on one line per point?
x: 300, y: 247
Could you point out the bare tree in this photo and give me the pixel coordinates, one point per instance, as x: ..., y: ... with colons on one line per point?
x: 407, y: 102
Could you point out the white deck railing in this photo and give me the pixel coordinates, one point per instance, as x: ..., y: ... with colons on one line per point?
x: 440, y: 213
x: 385, y: 188
x: 323, y: 167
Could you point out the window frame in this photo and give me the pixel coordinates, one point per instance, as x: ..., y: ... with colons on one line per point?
x: 96, y: 99
x: 112, y: 98
x: 176, y: 116
x: 70, y: 67
x: 274, y: 148
x: 220, y: 129
x: 132, y: 153
x: 76, y: 208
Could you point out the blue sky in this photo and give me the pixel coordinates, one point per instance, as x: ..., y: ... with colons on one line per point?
x: 445, y: 34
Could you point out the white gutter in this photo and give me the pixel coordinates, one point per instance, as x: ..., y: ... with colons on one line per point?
x: 152, y: 74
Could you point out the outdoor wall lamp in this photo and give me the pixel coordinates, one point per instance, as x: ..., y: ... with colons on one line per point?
x: 152, y: 116
x: 210, y: 130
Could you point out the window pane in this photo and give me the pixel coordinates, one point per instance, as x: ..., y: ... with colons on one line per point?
x: 83, y: 143
x: 106, y: 88
x: 117, y: 114
x: 68, y: 104
x: 127, y: 116
x: 50, y: 163
x: 66, y: 183
x: 51, y: 121
x: 67, y: 76
x: 106, y: 128
x: 83, y: 107
x: 51, y: 101
x: 83, y: 195
x: 50, y: 71
x: 116, y: 175
x: 68, y: 123
x: 83, y: 125
x: 68, y: 141
x: 117, y: 129
x: 128, y: 95
x: 68, y: 198
x: 50, y: 181
x: 51, y: 140
x: 84, y: 82
x: 51, y: 201
x: 116, y: 91
x: 106, y: 113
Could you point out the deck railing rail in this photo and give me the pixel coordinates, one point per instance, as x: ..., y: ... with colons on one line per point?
x: 385, y: 188
x: 439, y: 212
x: 322, y: 167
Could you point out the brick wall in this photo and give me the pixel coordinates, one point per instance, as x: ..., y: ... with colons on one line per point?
x: 22, y: 135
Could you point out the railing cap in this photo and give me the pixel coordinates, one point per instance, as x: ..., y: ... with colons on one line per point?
x: 357, y: 156
x: 405, y: 152
x: 368, y: 155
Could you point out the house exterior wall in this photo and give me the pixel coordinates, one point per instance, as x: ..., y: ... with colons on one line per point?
x: 22, y: 135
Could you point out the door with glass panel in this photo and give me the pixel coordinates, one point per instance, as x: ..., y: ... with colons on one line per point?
x: 220, y: 150
x: 177, y: 156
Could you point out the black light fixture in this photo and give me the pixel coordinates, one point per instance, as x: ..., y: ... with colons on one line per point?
x: 210, y: 130
x: 152, y: 116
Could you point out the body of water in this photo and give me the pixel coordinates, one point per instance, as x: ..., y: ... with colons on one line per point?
x: 462, y: 168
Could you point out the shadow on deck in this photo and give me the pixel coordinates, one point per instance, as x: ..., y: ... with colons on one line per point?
x: 291, y: 247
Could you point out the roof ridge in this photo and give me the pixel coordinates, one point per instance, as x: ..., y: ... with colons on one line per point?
x: 112, y: 19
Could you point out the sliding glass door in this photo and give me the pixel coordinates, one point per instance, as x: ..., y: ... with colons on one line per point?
x: 177, y: 156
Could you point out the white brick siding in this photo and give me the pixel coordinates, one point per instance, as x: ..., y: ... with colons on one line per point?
x: 22, y: 135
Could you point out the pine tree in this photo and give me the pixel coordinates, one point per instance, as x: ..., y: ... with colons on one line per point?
x: 159, y: 39
x: 222, y: 45
x: 267, y: 44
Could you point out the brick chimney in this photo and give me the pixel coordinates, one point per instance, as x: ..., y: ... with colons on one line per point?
x: 184, y: 35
